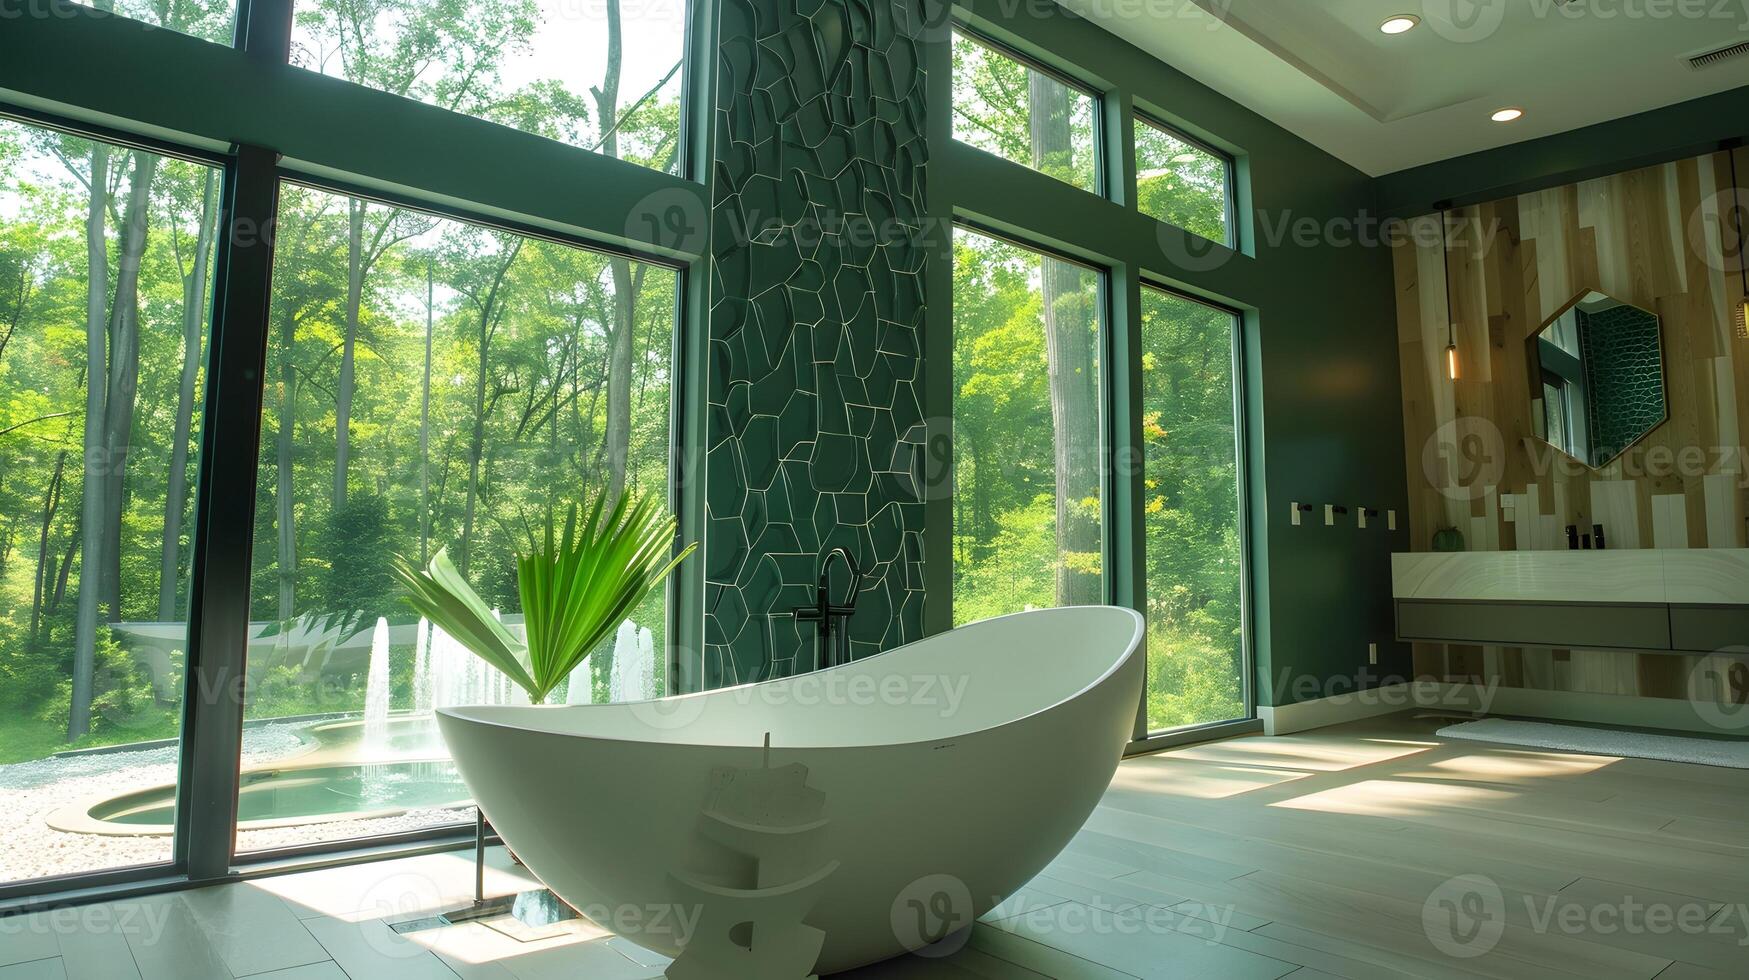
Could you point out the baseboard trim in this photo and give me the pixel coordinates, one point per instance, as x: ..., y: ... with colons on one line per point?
x: 1353, y: 706
x: 1670, y: 714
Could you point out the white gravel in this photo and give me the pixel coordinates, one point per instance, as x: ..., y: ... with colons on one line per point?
x: 30, y: 791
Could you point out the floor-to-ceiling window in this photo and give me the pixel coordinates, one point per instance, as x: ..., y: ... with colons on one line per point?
x: 106, y: 254
x: 1028, y: 463
x: 1030, y: 469
x: 1194, y: 550
x: 457, y: 343
x: 431, y: 384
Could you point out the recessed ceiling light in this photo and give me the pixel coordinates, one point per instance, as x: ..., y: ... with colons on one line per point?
x: 1507, y: 114
x: 1400, y: 24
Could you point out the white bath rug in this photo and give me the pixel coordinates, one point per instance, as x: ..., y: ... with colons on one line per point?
x: 1732, y: 754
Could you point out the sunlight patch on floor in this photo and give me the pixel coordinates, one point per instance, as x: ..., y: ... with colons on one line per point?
x: 1325, y: 754
x: 1391, y: 798
x: 1198, y: 780
x: 1516, y: 765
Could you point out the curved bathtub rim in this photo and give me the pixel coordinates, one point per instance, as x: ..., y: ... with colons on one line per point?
x: 1131, y: 649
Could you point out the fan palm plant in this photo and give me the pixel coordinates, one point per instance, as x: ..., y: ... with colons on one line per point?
x: 576, y: 588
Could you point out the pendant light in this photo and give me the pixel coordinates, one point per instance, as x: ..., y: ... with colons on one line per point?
x: 1451, y: 351
x: 1742, y: 246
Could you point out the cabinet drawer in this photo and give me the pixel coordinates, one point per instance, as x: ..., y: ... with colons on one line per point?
x: 1706, y: 629
x: 1536, y: 624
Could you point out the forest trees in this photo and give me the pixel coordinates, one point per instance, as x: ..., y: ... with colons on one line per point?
x: 1026, y: 402
x: 430, y: 382
x: 103, y: 247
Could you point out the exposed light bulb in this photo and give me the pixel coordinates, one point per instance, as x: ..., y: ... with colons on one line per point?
x: 1451, y: 361
x: 1743, y: 319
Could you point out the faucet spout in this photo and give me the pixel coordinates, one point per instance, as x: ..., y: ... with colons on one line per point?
x: 828, y: 614
x: 849, y: 605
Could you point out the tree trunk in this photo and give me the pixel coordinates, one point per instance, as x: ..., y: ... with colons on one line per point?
x: 91, y: 491
x: 343, y: 392
x: 20, y: 299
x: 124, y: 372
x: 619, y: 369
x: 425, y: 430
x: 1070, y: 360
x: 66, y: 567
x: 45, y: 563
x: 619, y: 381
x: 983, y: 476
x: 477, y: 444
x: 193, y: 317
x: 285, y: 515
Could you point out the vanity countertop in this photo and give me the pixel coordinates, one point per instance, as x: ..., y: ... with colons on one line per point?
x: 1699, y: 576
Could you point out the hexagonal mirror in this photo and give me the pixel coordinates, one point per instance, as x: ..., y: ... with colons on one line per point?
x: 1597, y: 378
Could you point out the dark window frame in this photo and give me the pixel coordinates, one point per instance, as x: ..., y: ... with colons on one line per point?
x: 1230, y: 167
x: 1108, y: 421
x: 1242, y: 477
x: 1101, y: 183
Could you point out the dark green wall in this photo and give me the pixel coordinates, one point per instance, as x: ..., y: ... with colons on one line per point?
x: 1673, y: 132
x: 817, y: 266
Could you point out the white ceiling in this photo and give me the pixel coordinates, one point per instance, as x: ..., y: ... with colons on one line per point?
x: 1323, y: 70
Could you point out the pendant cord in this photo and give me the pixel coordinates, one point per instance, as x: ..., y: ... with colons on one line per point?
x: 1742, y: 246
x: 1445, y: 263
x: 1737, y: 206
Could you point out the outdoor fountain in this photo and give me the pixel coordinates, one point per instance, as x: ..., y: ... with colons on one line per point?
x: 382, y: 763
x: 445, y: 674
x: 422, y: 665
x: 376, y: 693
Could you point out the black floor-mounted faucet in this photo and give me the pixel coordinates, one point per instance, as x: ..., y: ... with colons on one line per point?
x: 831, y: 617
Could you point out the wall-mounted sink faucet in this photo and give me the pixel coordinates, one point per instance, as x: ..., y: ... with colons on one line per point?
x: 830, y: 616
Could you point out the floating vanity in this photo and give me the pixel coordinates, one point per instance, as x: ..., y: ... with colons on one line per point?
x: 1652, y: 601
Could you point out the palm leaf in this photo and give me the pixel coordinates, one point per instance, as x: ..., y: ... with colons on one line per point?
x: 576, y: 586
x: 439, y: 593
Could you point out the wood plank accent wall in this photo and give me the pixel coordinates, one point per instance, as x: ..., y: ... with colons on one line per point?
x: 1649, y: 237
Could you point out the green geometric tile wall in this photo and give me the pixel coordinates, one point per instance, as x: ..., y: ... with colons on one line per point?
x: 1624, y: 368
x: 815, y: 428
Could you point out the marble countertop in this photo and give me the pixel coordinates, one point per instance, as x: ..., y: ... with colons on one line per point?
x: 1701, y: 576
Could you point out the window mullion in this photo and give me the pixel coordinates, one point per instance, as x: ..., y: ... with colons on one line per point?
x: 225, y: 518
x: 1126, y: 535
x: 264, y: 29
x: 1120, y: 147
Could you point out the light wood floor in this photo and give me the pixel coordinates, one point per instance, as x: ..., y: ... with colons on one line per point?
x: 1370, y: 850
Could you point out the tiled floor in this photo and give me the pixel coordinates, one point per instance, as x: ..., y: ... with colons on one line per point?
x: 1342, y: 852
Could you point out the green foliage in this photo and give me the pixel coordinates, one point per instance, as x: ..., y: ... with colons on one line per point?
x: 1005, y: 107
x: 359, y: 547
x: 1190, y: 680
x: 1180, y: 183
x: 126, y: 707
x: 576, y: 589
x: 25, y: 680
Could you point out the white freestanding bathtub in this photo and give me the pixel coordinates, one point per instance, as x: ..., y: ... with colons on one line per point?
x: 901, y: 796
